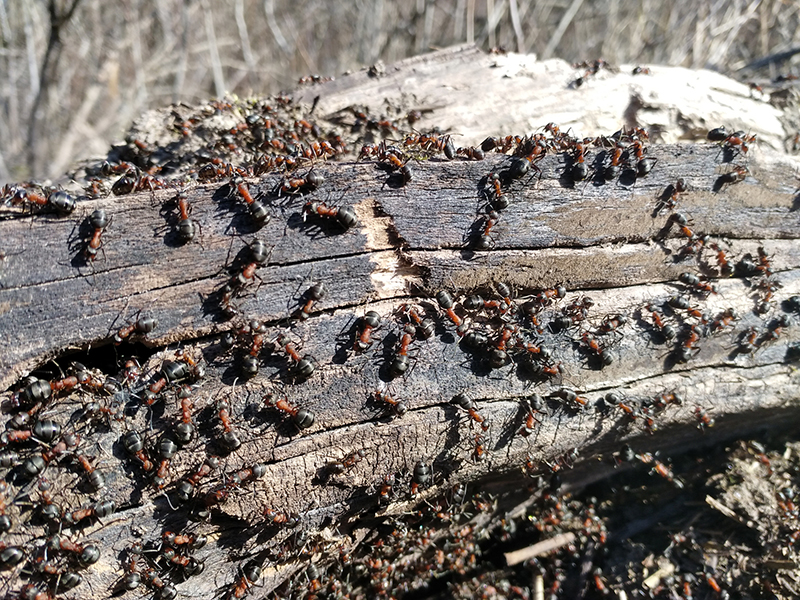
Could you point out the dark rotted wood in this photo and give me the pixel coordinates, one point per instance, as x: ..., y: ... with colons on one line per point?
x: 598, y: 239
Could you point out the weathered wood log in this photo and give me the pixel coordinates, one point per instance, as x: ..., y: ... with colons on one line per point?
x: 605, y: 239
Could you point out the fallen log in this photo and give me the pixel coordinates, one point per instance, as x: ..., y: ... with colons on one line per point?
x: 559, y: 379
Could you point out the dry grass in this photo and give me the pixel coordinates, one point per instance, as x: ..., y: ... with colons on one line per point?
x: 77, y: 72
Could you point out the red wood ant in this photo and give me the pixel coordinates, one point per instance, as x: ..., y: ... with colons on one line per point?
x: 483, y: 241
x: 257, y: 209
x: 59, y: 200
x: 370, y: 321
x: 303, y: 366
x: 301, y: 417
x: 704, y: 421
x: 571, y: 396
x: 400, y: 362
x: 471, y: 153
x: 99, y: 510
x: 187, y: 227
x: 468, y: 404
x: 132, y: 442
x: 98, y: 221
x: 343, y: 215
x: 701, y: 287
x: 739, y: 173
x: 445, y: 300
x: 314, y: 294
x: 722, y: 259
x: 251, y: 573
x: 142, y: 326
x: 669, y: 198
x: 229, y: 438
x: 399, y: 407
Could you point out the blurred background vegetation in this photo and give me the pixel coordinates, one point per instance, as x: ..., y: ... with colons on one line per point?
x: 76, y: 73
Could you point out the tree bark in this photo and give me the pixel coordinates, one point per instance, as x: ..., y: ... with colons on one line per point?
x: 605, y: 240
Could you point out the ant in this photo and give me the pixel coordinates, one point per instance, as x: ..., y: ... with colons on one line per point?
x: 702, y: 288
x: 571, y: 396
x: 99, y: 510
x: 345, y: 216
x: 471, y: 153
x: 257, y: 209
x: 37, y: 463
x: 748, y: 341
x: 723, y: 320
x: 314, y: 294
x: 704, y: 421
x: 400, y: 362
x: 338, y: 467
x: 251, y: 573
x: 479, y: 453
x: 612, y: 171
x: 133, y: 443
x: 739, y: 173
x: 775, y: 329
x: 738, y: 140
x: 483, y: 241
x: 85, y: 555
x: 603, y: 354
x: 723, y: 264
x: 397, y: 406
x: 669, y: 198
x: 298, y: 185
x: 187, y: 227
x: 536, y: 405
x: 386, y: 489
x: 688, y: 346
x: 579, y: 170
x: 142, y: 326
x: 468, y: 404
x: 369, y: 322
x: 425, y: 326
x: 445, y: 301
x: 98, y: 221
x: 612, y: 323
x: 229, y: 438
x: 421, y: 476
x: 94, y: 477
x: 303, y: 367
x: 60, y: 201
x: 301, y: 417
